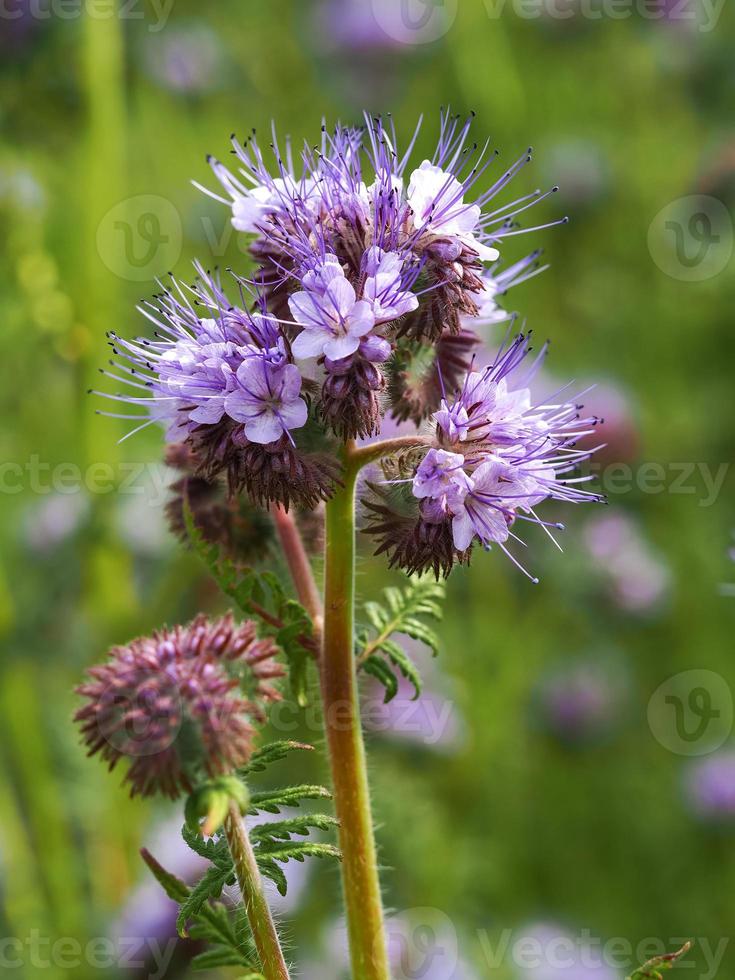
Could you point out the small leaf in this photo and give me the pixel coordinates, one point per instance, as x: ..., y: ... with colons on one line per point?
x: 283, y: 829
x: 173, y: 886
x: 213, y: 959
x: 210, y: 886
x: 399, y: 614
x: 296, y: 851
x: 272, y: 800
x: 273, y: 752
x: 652, y: 969
x: 379, y: 669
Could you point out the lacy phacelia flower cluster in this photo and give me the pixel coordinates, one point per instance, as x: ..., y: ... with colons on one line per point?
x: 369, y: 273
x: 496, y: 455
x: 172, y: 703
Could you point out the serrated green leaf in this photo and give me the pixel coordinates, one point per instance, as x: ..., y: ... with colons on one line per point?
x: 210, y: 886
x: 296, y: 851
x: 268, y: 754
x: 283, y: 829
x: 378, y: 668
x: 270, y: 869
x: 173, y: 886
x: 273, y: 800
x: 213, y: 959
x: 398, y: 614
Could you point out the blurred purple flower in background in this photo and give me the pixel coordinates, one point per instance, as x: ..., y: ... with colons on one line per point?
x: 422, y: 945
x: 580, y: 702
x: 618, y: 430
x: 19, y: 23
x: 552, y: 953
x: 580, y: 169
x: 50, y: 522
x: 186, y: 58
x: 432, y: 721
x: 353, y: 24
x: 709, y: 787
x: 637, y: 579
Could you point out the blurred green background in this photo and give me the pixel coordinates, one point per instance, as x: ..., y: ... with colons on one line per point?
x: 547, y: 789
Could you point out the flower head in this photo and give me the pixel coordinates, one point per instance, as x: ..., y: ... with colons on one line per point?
x: 497, y: 456
x: 172, y: 704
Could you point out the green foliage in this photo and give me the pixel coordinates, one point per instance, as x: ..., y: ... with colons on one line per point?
x: 274, y: 843
x: 260, y: 594
x: 205, y: 920
x: 211, y: 800
x: 273, y: 752
x: 378, y: 653
x: 652, y: 969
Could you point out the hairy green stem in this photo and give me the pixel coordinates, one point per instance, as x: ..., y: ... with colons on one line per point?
x: 256, y: 907
x: 374, y: 451
x: 345, y: 742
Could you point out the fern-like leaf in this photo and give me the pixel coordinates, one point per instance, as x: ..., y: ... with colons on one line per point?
x: 268, y: 754
x: 273, y: 800
x: 403, y: 611
x: 208, y: 887
x: 203, y: 920
x: 294, y: 826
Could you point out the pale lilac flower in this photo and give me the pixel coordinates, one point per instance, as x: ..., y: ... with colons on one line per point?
x: 436, y: 199
x: 441, y: 484
x: 384, y: 288
x: 267, y: 399
x: 488, y: 509
x: 334, y: 321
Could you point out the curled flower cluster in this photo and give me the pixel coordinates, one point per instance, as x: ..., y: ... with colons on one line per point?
x: 172, y: 704
x: 370, y: 272
x: 495, y: 456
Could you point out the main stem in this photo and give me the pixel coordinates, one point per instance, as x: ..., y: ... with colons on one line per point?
x: 344, y: 737
x: 256, y: 907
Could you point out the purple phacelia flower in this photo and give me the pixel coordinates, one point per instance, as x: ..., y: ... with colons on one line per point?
x: 267, y: 398
x: 174, y: 704
x: 497, y: 456
x: 334, y: 321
